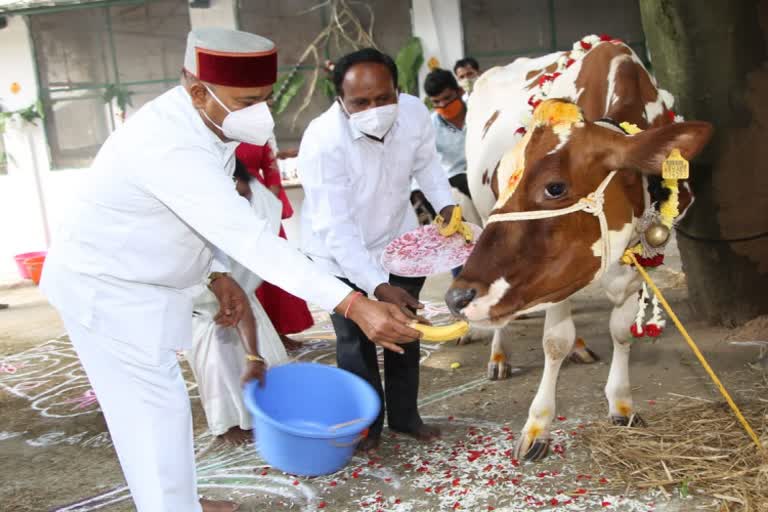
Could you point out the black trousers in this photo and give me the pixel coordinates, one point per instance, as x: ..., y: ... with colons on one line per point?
x: 357, y: 354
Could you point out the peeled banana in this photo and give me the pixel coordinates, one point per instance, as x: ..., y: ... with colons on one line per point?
x: 454, y: 225
x: 442, y: 333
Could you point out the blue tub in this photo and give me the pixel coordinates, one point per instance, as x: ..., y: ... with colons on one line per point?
x: 309, y: 417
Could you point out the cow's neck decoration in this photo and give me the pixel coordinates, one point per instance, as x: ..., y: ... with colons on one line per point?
x: 654, y: 229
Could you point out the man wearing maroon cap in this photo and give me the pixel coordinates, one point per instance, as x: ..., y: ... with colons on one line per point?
x: 159, y: 213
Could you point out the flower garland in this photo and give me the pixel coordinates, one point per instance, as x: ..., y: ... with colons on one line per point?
x: 566, y: 60
x: 648, y: 256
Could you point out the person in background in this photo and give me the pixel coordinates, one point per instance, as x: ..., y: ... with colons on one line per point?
x: 356, y: 162
x: 448, y: 119
x: 289, y: 314
x: 217, y: 356
x: 467, y: 71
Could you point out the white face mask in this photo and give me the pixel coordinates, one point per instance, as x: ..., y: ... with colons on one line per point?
x: 253, y: 124
x: 375, y: 121
x: 467, y: 84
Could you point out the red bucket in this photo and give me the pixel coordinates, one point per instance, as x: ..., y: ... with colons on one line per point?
x: 23, y: 272
x: 35, y: 267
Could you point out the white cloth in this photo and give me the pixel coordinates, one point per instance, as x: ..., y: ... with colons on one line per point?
x: 145, y: 402
x: 217, y: 356
x: 159, y: 198
x: 357, y: 190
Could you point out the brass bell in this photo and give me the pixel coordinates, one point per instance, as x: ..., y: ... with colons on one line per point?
x: 657, y: 235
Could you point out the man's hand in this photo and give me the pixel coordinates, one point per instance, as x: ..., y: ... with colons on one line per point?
x: 255, y: 370
x: 384, y: 324
x: 232, y: 301
x: 400, y: 298
x: 447, y: 213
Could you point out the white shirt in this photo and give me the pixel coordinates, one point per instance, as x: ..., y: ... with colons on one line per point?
x: 357, y: 190
x: 159, y: 198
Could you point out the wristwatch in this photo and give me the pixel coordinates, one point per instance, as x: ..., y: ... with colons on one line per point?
x: 254, y: 358
x: 214, y: 276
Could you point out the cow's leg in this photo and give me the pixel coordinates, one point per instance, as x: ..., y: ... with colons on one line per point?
x: 498, y: 367
x: 617, y: 389
x: 559, y: 335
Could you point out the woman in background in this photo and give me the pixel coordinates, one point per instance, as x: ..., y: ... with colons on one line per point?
x: 289, y: 314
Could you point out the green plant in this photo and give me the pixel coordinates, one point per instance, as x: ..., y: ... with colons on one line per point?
x: 120, y: 95
x: 29, y: 114
x: 285, y: 89
x: 409, y: 60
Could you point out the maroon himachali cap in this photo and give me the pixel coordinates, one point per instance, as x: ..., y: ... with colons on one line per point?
x: 230, y: 57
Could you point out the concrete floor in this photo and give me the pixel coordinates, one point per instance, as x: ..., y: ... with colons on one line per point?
x: 55, y: 453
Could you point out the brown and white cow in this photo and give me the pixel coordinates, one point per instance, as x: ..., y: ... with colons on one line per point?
x: 522, y: 264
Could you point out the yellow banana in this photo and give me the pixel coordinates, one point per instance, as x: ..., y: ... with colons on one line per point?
x: 442, y: 333
x: 454, y: 225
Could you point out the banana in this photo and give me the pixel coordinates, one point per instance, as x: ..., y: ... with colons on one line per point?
x: 454, y: 225
x: 442, y: 333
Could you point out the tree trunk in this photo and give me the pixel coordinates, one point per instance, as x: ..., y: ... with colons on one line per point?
x: 712, y: 57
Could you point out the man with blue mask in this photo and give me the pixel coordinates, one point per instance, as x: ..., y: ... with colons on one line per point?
x: 356, y: 163
x: 158, y: 215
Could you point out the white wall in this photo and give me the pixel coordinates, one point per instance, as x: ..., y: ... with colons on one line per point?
x: 22, y: 226
x: 439, y: 26
x: 221, y: 13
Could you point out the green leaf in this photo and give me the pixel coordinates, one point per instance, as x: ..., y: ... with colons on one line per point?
x: 286, y: 88
x: 327, y: 87
x: 409, y: 60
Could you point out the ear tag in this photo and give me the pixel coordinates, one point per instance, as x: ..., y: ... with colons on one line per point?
x: 675, y: 167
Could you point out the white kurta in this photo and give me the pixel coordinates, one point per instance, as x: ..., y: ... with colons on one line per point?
x: 159, y: 198
x: 217, y: 356
x: 357, y: 190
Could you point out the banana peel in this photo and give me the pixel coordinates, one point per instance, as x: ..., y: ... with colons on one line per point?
x: 454, y: 225
x: 441, y: 333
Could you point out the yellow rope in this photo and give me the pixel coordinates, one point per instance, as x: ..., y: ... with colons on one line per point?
x: 628, y: 258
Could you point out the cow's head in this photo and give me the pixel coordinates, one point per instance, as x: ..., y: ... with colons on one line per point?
x: 522, y: 266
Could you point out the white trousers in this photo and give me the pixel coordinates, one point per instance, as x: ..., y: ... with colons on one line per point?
x: 145, y: 402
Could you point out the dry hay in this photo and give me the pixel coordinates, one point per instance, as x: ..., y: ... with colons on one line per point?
x: 755, y: 329
x: 690, y: 449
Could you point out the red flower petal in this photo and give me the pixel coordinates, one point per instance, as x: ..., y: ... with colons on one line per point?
x: 569, y: 62
x: 605, y: 37
x: 603, y: 480
x: 561, y: 418
x: 585, y: 45
x: 554, y: 502
x: 637, y: 331
x: 333, y: 484
x: 606, y: 503
x: 295, y: 482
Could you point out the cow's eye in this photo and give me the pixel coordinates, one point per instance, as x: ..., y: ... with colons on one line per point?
x: 555, y: 190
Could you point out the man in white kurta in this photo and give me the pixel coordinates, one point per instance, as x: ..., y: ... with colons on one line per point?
x: 158, y: 203
x: 356, y: 163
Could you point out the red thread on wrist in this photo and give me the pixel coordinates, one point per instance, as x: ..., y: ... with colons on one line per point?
x: 357, y: 295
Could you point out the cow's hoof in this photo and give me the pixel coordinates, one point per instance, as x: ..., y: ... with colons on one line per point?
x: 499, y: 371
x: 632, y: 421
x: 581, y: 354
x: 535, y: 451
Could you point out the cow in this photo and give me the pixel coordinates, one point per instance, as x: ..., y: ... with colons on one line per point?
x: 561, y: 191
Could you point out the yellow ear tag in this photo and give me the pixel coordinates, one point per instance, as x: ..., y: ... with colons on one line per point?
x: 675, y: 167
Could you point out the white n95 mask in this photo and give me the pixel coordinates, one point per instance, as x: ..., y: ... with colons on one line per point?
x: 253, y: 124
x: 375, y: 121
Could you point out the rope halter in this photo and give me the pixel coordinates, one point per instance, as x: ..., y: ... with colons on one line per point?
x: 593, y: 203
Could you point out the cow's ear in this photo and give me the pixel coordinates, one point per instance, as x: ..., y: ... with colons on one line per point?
x: 647, y: 150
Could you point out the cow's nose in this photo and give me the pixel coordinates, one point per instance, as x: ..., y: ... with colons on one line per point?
x: 458, y: 298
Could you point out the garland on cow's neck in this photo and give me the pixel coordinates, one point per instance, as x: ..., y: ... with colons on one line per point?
x: 654, y: 230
